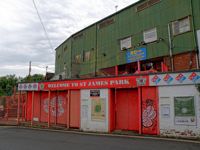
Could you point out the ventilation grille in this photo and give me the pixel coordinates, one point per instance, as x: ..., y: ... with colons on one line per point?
x: 106, y: 23
x: 147, y: 4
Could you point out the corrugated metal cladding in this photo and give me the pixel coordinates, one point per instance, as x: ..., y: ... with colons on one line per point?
x: 98, y: 46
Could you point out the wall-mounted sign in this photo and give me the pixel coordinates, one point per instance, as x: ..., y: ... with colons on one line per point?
x: 136, y: 55
x: 184, y: 110
x: 116, y: 82
x: 174, y: 79
x: 165, y: 110
x: 28, y: 87
x: 94, y: 93
x: 98, y: 109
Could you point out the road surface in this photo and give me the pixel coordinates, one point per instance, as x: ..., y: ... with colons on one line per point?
x: 12, y: 138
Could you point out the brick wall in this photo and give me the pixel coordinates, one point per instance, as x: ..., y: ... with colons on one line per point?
x: 184, y: 61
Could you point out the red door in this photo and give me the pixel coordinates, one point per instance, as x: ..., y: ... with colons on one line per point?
x: 75, y: 109
x: 127, y: 109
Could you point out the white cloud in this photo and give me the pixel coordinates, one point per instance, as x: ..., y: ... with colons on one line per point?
x: 22, y: 37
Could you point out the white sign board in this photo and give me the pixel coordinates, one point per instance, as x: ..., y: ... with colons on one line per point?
x: 185, y: 121
x: 28, y: 87
x: 174, y: 79
x: 165, y: 110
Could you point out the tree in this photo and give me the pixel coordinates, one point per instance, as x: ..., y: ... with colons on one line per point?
x: 7, y: 85
x: 9, y: 82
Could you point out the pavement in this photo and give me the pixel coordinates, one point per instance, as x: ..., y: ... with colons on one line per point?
x: 15, y: 138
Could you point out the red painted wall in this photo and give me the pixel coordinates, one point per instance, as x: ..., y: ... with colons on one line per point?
x: 58, y: 109
x: 75, y: 108
x: 36, y: 108
x: 127, y: 109
x: 149, y: 110
x: 62, y: 114
x: 29, y: 106
x: 111, y: 103
x: 44, y: 107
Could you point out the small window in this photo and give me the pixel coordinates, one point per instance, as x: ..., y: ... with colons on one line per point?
x: 78, y: 36
x: 125, y: 43
x: 106, y: 23
x: 181, y: 26
x: 58, y: 56
x: 78, y: 58
x: 147, y: 4
x: 150, y: 35
x: 87, y: 56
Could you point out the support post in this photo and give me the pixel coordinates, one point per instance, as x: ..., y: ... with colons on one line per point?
x: 26, y: 106
x: 139, y: 68
x: 32, y: 112
x: 116, y: 70
x: 18, y: 108
x: 140, y: 108
x: 56, y: 107
x: 49, y: 108
x: 68, y: 108
x: 170, y: 47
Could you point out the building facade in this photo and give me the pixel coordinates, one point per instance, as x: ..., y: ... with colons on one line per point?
x: 162, y: 34
x: 166, y: 104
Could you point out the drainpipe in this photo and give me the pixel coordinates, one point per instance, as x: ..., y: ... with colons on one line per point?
x: 194, y: 35
x: 170, y: 47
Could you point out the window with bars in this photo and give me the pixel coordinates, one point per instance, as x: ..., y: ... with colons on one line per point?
x: 181, y: 26
x: 147, y: 4
x: 150, y: 35
x: 106, y: 23
x: 125, y: 43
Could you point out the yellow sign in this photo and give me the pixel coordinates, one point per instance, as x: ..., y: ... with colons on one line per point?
x: 98, y: 110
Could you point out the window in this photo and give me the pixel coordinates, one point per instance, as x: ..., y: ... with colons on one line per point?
x: 87, y: 56
x: 78, y: 58
x: 78, y: 36
x: 125, y: 43
x: 147, y: 4
x: 58, y: 56
x: 150, y: 35
x: 181, y: 26
x: 106, y: 23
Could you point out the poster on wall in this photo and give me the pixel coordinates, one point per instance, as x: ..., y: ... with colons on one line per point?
x: 184, y: 109
x: 165, y: 110
x: 98, y: 109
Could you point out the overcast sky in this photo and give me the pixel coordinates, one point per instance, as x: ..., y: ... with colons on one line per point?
x: 22, y: 38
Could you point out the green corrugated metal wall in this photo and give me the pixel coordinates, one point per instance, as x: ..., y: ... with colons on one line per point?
x: 105, y: 42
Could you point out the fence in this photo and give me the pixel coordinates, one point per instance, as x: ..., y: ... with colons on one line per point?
x: 12, y: 109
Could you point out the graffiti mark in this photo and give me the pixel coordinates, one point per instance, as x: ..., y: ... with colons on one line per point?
x: 60, y: 104
x: 149, y: 114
